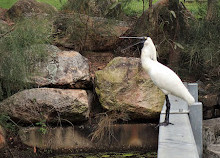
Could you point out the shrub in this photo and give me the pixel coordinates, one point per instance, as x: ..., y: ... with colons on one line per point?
x: 18, y: 56
x: 202, y: 52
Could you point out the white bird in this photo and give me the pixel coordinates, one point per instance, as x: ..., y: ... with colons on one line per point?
x: 163, y: 77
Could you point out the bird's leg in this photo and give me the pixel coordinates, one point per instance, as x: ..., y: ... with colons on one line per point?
x: 166, y: 121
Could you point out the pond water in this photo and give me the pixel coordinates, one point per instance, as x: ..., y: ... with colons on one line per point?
x: 117, y: 137
x: 128, y: 140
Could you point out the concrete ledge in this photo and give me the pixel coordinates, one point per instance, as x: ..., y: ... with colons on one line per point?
x: 177, y: 141
x: 184, y: 138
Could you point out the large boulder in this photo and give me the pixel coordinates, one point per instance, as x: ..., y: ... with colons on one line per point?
x: 211, y: 138
x: 83, y: 32
x: 29, y: 8
x: 123, y: 85
x: 47, y: 104
x: 62, y: 69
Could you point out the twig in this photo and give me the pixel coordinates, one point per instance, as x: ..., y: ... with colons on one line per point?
x: 10, y: 151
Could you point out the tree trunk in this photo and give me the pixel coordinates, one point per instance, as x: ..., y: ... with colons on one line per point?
x: 174, y: 54
x: 143, y: 21
x: 212, y: 12
x: 151, y: 13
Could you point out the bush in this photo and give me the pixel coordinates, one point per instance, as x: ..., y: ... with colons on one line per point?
x: 202, y: 52
x: 18, y: 56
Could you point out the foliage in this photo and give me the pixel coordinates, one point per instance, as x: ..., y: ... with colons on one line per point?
x: 201, y: 44
x: 7, y: 123
x: 18, y: 56
x: 43, y: 126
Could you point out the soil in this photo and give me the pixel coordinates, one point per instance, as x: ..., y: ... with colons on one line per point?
x: 98, y: 60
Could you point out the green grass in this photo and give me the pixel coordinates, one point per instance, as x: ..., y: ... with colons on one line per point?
x: 135, y: 7
x: 199, y: 10
x: 6, y: 3
x: 56, y: 3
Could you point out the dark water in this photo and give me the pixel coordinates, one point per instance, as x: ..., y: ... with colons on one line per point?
x: 111, y: 155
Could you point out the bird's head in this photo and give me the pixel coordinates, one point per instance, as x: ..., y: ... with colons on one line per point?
x: 149, y: 49
x: 148, y: 41
x: 145, y: 42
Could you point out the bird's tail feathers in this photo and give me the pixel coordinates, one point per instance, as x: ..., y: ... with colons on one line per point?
x: 189, y: 98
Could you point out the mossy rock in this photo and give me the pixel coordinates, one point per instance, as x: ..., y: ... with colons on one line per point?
x: 123, y: 85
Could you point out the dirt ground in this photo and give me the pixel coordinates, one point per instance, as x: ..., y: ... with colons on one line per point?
x: 98, y: 60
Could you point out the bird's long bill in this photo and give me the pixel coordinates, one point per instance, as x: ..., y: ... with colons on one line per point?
x: 142, y: 38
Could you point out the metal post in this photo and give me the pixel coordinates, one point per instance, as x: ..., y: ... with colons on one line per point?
x: 193, y: 89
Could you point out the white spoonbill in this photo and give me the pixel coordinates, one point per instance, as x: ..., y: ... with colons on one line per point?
x: 163, y: 77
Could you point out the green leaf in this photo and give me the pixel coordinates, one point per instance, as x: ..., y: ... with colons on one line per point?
x: 127, y: 155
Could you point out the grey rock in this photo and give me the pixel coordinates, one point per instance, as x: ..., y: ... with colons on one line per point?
x: 211, y: 138
x: 47, y: 104
x: 63, y: 68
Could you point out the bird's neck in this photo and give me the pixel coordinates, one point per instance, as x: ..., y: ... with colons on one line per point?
x: 146, y: 62
x: 149, y: 52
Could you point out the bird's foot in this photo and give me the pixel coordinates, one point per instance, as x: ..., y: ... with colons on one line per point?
x: 165, y: 123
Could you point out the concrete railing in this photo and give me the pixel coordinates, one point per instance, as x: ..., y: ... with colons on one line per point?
x: 184, y: 138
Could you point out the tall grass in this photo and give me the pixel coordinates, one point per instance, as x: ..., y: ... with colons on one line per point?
x: 19, y: 51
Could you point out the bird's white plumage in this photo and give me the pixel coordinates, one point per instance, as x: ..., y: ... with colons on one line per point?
x: 162, y: 76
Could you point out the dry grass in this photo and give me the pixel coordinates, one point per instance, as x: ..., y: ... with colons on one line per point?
x: 105, y: 124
